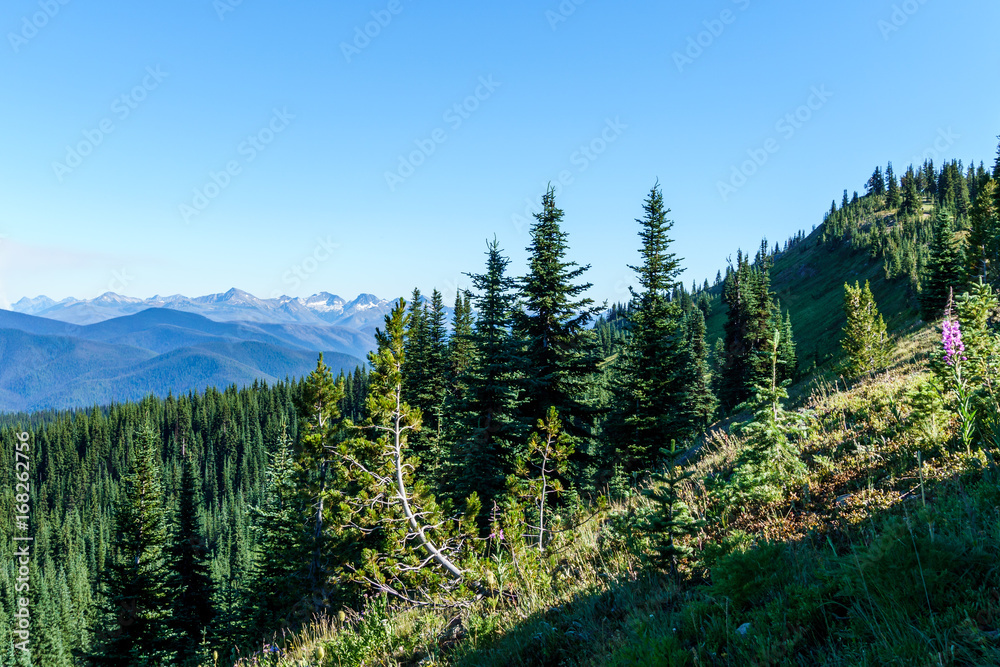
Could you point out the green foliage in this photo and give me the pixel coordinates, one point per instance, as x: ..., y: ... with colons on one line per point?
x: 319, y: 472
x: 670, y: 524
x: 135, y: 583
x: 752, y: 316
x: 560, y: 353
x: 865, y: 342
x: 490, y: 426
x: 649, y: 380
x: 193, y: 610
x: 279, y: 539
x: 945, y: 270
x: 769, y: 462
x: 536, y: 476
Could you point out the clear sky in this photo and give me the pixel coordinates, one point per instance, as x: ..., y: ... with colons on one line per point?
x: 189, y: 146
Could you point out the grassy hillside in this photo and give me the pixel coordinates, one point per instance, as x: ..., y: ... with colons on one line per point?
x: 809, y: 282
x: 880, y: 557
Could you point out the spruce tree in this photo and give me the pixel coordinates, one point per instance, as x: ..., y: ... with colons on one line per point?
x: 945, y: 270
x: 671, y: 525
x: 893, y: 199
x: 560, y: 355
x: 865, y: 342
x: 911, y: 204
x: 319, y: 471
x: 696, y: 396
x: 983, y: 256
x: 430, y: 395
x: 649, y: 382
x: 136, y: 578
x: 492, y: 428
x: 191, y: 582
x: 278, y: 539
x: 788, y: 361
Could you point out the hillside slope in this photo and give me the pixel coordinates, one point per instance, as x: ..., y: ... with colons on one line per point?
x: 809, y: 282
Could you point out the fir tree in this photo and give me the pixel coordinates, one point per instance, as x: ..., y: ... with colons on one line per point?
x: 944, y: 269
x: 893, y: 199
x: 560, y: 356
x: 193, y: 610
x: 671, y: 524
x: 649, y: 382
x: 492, y: 427
x: 136, y: 578
x: 277, y: 528
x: 696, y: 396
x: 911, y: 204
x: 770, y: 462
x: 788, y: 361
x: 318, y: 471
x: 865, y: 342
x: 983, y: 256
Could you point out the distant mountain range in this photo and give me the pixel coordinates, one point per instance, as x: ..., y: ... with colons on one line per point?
x: 81, y: 352
x: 363, y: 313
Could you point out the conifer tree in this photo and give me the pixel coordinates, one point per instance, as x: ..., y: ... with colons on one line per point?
x: 405, y: 542
x: 788, y: 361
x: 136, y: 577
x: 911, y: 204
x: 461, y: 349
x: 893, y: 199
x: 770, y: 461
x: 671, y: 524
x: 415, y: 370
x: 431, y: 394
x: 983, y: 256
x: 696, y: 398
x: 191, y: 582
x: 492, y: 428
x: 649, y: 383
x: 751, y: 315
x: 277, y: 528
x: 560, y: 355
x: 318, y: 471
x: 945, y: 269
x: 865, y: 343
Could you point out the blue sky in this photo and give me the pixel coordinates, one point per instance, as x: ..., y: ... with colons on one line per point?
x: 188, y: 146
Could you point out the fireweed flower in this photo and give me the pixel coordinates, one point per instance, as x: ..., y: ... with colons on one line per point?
x: 951, y: 339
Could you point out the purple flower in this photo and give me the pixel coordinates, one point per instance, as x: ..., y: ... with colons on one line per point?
x: 951, y: 339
